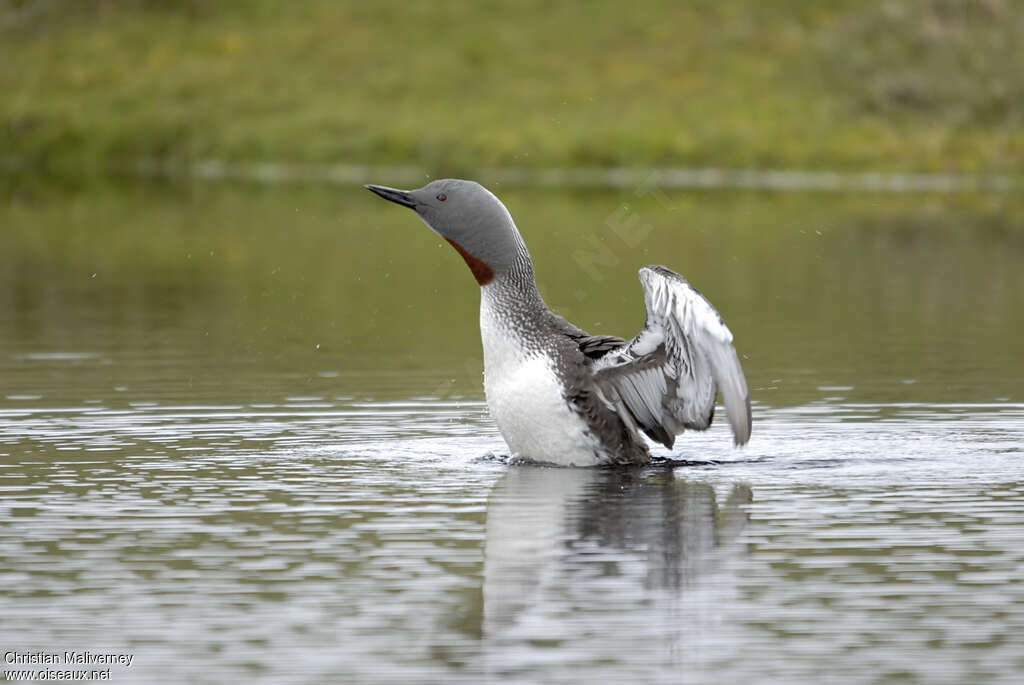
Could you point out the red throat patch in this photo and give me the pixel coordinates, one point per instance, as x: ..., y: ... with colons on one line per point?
x: 482, y: 271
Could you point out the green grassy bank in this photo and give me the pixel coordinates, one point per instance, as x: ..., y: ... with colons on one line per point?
x: 919, y: 85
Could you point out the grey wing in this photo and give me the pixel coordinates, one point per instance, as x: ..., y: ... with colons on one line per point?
x: 666, y: 379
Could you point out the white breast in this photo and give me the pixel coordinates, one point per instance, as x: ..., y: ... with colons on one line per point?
x: 526, y: 400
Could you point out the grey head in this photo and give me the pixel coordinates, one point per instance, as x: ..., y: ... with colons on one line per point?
x: 469, y: 217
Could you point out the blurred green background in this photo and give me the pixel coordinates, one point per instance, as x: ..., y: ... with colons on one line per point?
x: 911, y: 85
x: 176, y: 288
x: 239, y: 293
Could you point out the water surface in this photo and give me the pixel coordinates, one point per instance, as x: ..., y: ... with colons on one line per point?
x: 242, y: 437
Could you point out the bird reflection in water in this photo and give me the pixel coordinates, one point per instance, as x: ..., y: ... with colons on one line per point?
x: 577, y: 552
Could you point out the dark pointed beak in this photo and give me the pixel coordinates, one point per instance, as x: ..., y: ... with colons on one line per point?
x: 397, y: 196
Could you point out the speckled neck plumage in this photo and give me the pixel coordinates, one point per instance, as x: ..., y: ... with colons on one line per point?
x: 514, y: 296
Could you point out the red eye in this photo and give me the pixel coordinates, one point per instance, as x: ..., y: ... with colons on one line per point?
x: 442, y: 197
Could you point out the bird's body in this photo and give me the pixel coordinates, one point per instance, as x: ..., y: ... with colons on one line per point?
x: 559, y: 395
x: 536, y: 380
x: 527, y: 400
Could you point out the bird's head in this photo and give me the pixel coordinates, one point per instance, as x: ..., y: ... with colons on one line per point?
x: 469, y: 217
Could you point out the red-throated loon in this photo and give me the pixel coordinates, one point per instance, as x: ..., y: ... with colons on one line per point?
x: 564, y: 397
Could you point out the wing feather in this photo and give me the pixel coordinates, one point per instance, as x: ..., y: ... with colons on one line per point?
x: 666, y: 379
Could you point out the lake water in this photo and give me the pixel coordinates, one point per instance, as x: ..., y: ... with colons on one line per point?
x: 242, y: 439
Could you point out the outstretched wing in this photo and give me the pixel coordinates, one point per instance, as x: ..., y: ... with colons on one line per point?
x: 666, y: 378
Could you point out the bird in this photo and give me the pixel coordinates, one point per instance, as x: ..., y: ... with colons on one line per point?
x: 561, y: 396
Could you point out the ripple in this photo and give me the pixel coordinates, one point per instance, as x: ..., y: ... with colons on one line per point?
x: 302, y: 540
x: 56, y: 356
